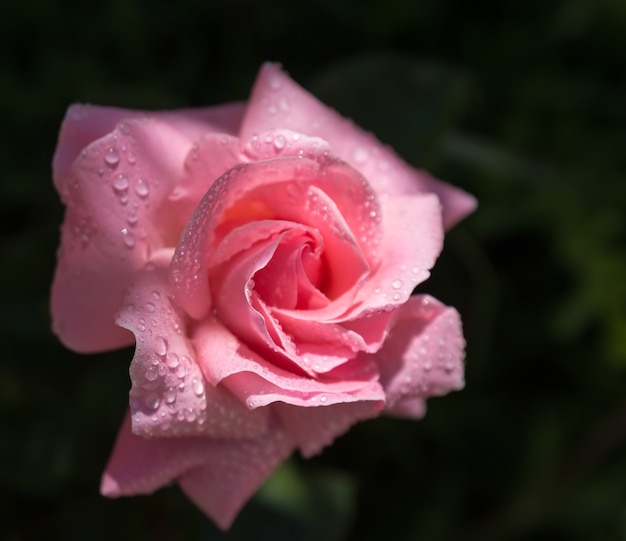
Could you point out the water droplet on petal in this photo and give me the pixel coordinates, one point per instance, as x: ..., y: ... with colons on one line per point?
x: 112, y: 157
x: 172, y: 360
x: 279, y: 142
x: 170, y: 395
x: 142, y: 188
x: 150, y: 307
x: 151, y: 373
x: 128, y: 238
x: 160, y: 346
x: 120, y: 183
x: 396, y: 284
x: 197, y: 386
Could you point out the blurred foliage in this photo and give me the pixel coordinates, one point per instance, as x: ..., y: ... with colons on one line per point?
x: 520, y: 103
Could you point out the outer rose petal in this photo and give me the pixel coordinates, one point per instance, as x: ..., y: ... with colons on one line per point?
x: 278, y: 102
x: 315, y: 428
x: 219, y: 476
x: 83, y: 124
x: 234, y: 472
x: 169, y: 396
x: 117, y: 214
x: 423, y: 355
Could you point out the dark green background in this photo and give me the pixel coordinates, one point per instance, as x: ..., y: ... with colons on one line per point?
x: 520, y: 102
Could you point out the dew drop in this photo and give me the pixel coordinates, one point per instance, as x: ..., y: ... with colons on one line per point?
x: 128, y: 238
x: 142, y: 188
x: 197, y: 386
x: 112, y: 157
x: 151, y: 373
x: 120, y: 183
x: 172, y: 360
x: 191, y: 415
x: 279, y: 142
x: 396, y: 284
x: 160, y: 346
x: 170, y: 395
x: 150, y: 307
x: 323, y: 398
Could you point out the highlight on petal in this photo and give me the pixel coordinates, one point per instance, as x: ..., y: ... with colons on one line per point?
x: 277, y: 102
x: 169, y: 395
x: 234, y: 472
x: 423, y: 356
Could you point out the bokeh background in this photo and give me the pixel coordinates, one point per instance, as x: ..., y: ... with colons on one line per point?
x: 521, y: 103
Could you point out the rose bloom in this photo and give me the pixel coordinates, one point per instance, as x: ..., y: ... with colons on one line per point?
x: 262, y: 256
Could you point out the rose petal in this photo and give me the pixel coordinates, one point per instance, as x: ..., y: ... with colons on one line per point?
x: 342, y: 184
x: 210, y: 157
x: 278, y: 102
x: 169, y: 396
x: 412, y: 243
x: 116, y: 217
x: 423, y: 355
x: 219, y: 476
x: 83, y: 124
x: 315, y: 428
x: 409, y: 407
x: 141, y: 465
x: 242, y: 193
x: 258, y: 383
x: 234, y: 472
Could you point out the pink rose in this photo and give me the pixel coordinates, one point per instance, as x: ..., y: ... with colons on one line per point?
x: 263, y: 256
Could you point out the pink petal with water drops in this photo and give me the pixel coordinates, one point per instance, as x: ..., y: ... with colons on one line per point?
x: 413, y: 240
x: 278, y: 102
x: 340, y: 183
x: 423, y: 355
x: 84, y: 124
x: 278, y: 189
x: 233, y: 473
x: 209, y: 158
x: 315, y: 428
x: 140, y: 465
x: 258, y: 382
x: 169, y: 395
x: 117, y: 215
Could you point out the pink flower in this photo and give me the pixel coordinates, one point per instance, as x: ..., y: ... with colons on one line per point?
x: 262, y: 256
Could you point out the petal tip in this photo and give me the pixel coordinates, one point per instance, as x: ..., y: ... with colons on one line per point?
x: 109, y: 486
